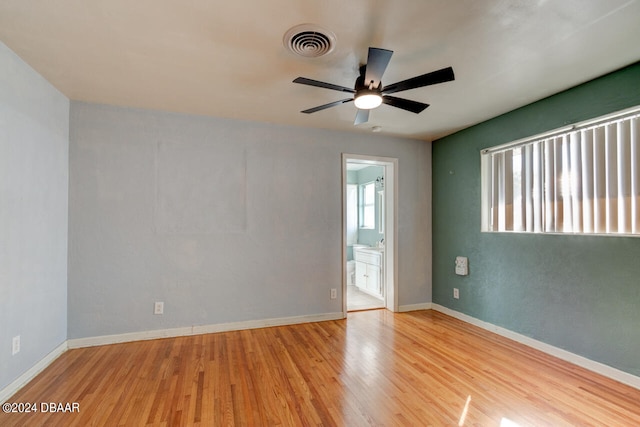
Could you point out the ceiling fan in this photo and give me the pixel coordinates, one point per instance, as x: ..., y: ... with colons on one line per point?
x: 369, y: 93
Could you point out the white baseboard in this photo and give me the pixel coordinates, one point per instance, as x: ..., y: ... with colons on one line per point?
x: 198, y: 330
x: 21, y: 381
x: 597, y: 367
x: 414, y: 307
x: 30, y: 374
x: 591, y: 365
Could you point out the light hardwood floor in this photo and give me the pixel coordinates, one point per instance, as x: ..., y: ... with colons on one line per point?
x: 374, y: 368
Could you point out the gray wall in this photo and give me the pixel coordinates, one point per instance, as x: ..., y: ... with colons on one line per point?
x: 578, y: 293
x: 34, y: 144
x: 222, y: 220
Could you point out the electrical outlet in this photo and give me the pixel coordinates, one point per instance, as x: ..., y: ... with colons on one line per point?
x: 158, y: 307
x: 15, y: 345
x: 456, y: 293
x: 334, y: 293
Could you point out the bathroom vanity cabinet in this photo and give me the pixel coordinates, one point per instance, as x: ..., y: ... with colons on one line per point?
x: 369, y: 270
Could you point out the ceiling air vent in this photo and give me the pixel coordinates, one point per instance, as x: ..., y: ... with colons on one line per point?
x: 309, y: 40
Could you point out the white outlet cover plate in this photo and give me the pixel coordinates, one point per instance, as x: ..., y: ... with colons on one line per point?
x: 158, y: 308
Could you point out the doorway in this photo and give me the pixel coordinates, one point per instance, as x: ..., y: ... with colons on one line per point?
x: 369, y: 233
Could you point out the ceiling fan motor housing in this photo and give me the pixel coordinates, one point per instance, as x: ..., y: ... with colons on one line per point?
x: 361, y: 84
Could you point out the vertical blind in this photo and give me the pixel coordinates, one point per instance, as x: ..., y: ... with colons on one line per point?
x: 585, y: 179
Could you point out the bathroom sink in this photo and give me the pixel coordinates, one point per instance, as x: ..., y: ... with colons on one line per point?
x: 369, y: 249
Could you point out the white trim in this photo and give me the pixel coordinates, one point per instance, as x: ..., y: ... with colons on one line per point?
x: 415, y: 307
x: 390, y: 269
x: 31, y: 373
x: 597, y: 367
x: 199, y: 329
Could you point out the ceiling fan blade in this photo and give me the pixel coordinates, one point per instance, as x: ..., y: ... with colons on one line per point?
x: 362, y: 116
x: 405, y: 104
x: 377, y: 62
x: 435, y: 77
x: 310, y: 82
x: 325, y: 106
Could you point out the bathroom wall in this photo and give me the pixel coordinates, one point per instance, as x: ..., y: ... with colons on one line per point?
x: 364, y: 176
x: 371, y: 237
x: 352, y: 177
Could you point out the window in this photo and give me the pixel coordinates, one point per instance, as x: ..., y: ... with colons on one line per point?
x: 367, y: 205
x: 581, y: 179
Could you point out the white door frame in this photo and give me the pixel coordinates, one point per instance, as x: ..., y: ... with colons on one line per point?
x: 390, y: 226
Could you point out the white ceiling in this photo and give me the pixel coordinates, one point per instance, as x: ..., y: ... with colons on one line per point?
x: 227, y: 59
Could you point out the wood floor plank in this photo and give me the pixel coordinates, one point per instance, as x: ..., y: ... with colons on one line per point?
x: 376, y: 368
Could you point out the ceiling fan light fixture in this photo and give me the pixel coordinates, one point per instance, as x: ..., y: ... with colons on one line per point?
x: 368, y: 100
x: 368, y: 91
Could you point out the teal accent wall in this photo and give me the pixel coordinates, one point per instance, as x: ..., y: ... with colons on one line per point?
x: 578, y: 293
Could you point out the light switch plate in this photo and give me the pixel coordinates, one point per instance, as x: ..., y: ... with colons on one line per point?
x: 15, y: 345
